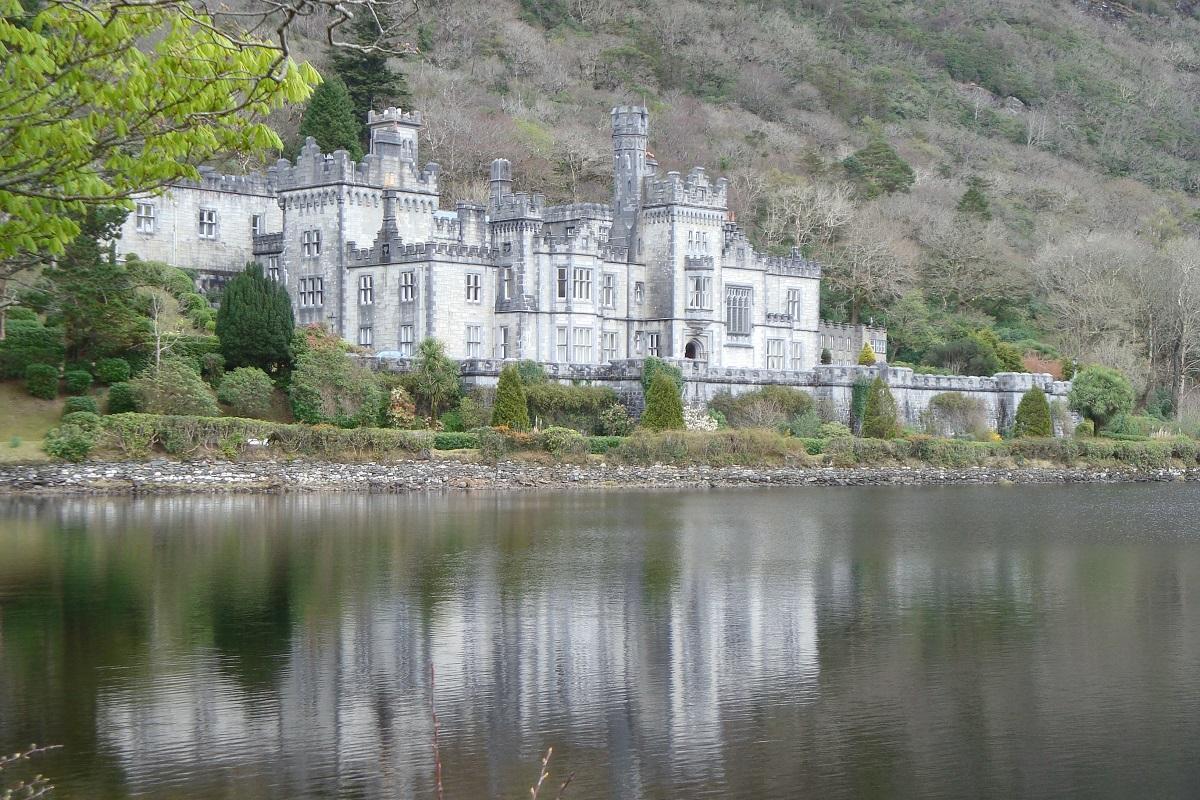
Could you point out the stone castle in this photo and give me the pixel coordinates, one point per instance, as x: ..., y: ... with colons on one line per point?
x: 365, y: 249
x: 587, y: 289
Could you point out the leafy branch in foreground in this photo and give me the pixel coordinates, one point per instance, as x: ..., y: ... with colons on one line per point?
x: 37, y: 786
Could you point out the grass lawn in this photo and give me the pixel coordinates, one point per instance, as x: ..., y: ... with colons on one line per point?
x: 24, y: 420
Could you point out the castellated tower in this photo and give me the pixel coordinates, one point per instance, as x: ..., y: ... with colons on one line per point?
x: 630, y: 132
x: 394, y: 137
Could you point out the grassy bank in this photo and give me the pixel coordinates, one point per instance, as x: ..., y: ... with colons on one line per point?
x: 139, y: 436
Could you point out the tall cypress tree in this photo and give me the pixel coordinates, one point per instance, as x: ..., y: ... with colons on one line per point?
x: 372, y: 82
x: 254, y: 323
x: 330, y: 119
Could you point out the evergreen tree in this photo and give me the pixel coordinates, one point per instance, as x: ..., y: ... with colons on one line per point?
x: 974, y: 201
x: 330, y: 119
x: 1100, y: 393
x: 372, y: 82
x: 880, y: 169
x: 1033, y: 415
x: 435, y: 376
x: 866, y: 356
x: 511, y: 409
x: 879, y: 418
x: 664, y: 406
x: 826, y: 356
x: 254, y: 323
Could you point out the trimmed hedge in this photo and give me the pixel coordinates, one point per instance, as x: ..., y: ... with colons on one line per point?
x: 41, y: 380
x: 78, y: 381
x: 74, y: 404
x: 455, y: 441
x: 113, y: 370
x: 121, y: 398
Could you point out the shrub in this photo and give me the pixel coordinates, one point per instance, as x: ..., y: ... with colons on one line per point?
x: 616, y: 421
x: 77, y: 381
x: 254, y: 323
x: 446, y: 440
x: 174, y: 388
x: 565, y: 406
x: 401, y: 410
x: 858, y: 401
x: 531, y: 372
x: 956, y: 414
x: 1033, y: 415
x: 74, y: 404
x: 84, y: 419
x: 69, y: 442
x: 1085, y: 428
x: 330, y: 387
x: 491, y: 443
x: 599, y: 445
x: 652, y: 366
x: 1100, y: 393
x: 472, y: 413
x: 511, y: 409
x: 29, y: 342
x: 112, y: 370
x: 768, y: 407
x: 434, y: 377
x: 564, y: 443
x: 866, y: 356
x: 212, y: 368
x: 805, y: 425
x: 41, y: 380
x: 664, y: 407
x: 834, y: 430
x: 721, y: 448
x: 826, y: 356
x: 879, y: 417
x: 247, y: 391
x: 451, y: 422
x: 121, y: 398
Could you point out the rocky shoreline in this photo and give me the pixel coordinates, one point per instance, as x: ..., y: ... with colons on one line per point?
x: 182, y: 477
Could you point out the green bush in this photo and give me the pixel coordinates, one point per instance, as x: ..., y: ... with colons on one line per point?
x: 446, y: 440
x: 1100, y: 394
x: 511, y: 409
x: 491, y: 443
x: 768, y: 407
x: 834, y: 430
x: 29, y: 342
x: 805, y: 425
x: 69, y: 442
x: 879, y: 417
x: 664, y: 406
x: 564, y: 406
x: 564, y: 443
x: 616, y: 421
x: 77, y: 381
x: 716, y: 448
x: 41, y: 380
x: 452, y: 421
x: 1085, y: 428
x: 1033, y: 415
x: 330, y: 387
x: 212, y: 368
x: 74, y: 404
x: 599, y: 445
x: 956, y: 414
x: 472, y: 413
x: 112, y: 370
x: 174, y: 387
x: 84, y: 419
x: 247, y: 391
x: 866, y: 356
x: 812, y: 446
x: 121, y: 398
x: 652, y: 366
x: 190, y: 348
x: 531, y: 372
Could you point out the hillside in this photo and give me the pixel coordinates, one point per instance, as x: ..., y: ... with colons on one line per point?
x: 1054, y: 148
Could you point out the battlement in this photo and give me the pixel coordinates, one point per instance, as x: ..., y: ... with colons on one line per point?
x: 393, y: 115
x: 520, y: 205
x: 694, y: 190
x: 845, y: 327
x: 630, y: 121
x: 793, y: 265
x: 315, y: 168
x: 254, y: 183
x: 578, y: 211
x: 397, y: 252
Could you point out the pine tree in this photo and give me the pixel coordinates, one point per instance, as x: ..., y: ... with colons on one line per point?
x: 330, y: 119
x: 254, y: 323
x: 880, y: 169
x: 511, y: 408
x: 974, y: 201
x: 879, y: 418
x: 866, y: 356
x: 664, y: 406
x: 372, y: 82
x: 1033, y: 415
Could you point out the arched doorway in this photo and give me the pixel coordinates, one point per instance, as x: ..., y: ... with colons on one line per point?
x: 694, y: 350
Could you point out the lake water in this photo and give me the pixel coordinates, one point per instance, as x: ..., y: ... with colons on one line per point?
x: 1039, y: 642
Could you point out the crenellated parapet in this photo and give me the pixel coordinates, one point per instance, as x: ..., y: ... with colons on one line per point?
x: 578, y: 211
x: 258, y: 183
x: 793, y: 265
x: 694, y: 190
x: 519, y: 205
x: 398, y: 252
x: 315, y: 168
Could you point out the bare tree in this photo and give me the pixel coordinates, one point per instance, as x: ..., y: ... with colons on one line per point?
x: 866, y: 268
x: 804, y: 214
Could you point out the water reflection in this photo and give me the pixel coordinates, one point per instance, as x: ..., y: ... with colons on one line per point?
x: 836, y: 643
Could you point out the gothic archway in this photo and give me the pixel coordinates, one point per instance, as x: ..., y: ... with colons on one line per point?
x: 694, y: 350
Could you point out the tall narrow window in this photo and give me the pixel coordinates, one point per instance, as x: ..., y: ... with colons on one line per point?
x: 506, y: 283
x: 793, y: 304
x: 608, y: 291
x: 145, y: 218
x: 312, y: 291
x: 408, y: 286
x: 699, y: 291
x: 561, y: 284
x: 256, y: 224
x: 608, y: 344
x: 652, y: 344
x: 774, y: 353
x: 310, y: 243
x: 273, y: 267
x: 583, y: 345
x: 365, y: 336
x: 583, y: 284
x: 473, y: 284
x: 208, y: 223
x: 562, y: 352
x: 797, y: 356
x: 737, y: 310
x: 639, y: 292
x: 366, y: 290
x: 638, y: 342
x: 502, y: 344
x: 474, y: 341
x: 406, y: 340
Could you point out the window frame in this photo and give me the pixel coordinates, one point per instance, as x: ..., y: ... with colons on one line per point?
x: 774, y: 354
x: 145, y: 222
x: 581, y: 345
x: 739, y: 315
x: 207, y: 220
x: 406, y: 345
x: 408, y: 286
x: 366, y: 290
x: 474, y: 284
x: 474, y: 337
x: 581, y: 283
x: 366, y: 336
x: 562, y: 344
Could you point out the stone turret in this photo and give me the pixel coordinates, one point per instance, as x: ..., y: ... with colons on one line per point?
x: 394, y: 133
x: 500, y: 183
x: 630, y: 133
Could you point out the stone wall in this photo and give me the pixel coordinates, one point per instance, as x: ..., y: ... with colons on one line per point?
x: 1000, y: 393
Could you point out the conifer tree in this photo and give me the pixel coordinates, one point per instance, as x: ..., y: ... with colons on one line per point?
x: 511, y: 408
x: 974, y: 201
x: 254, y: 323
x: 866, y: 356
x: 330, y: 119
x: 1033, y: 415
x: 664, y: 406
x: 372, y: 82
x: 880, y: 169
x: 879, y: 418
